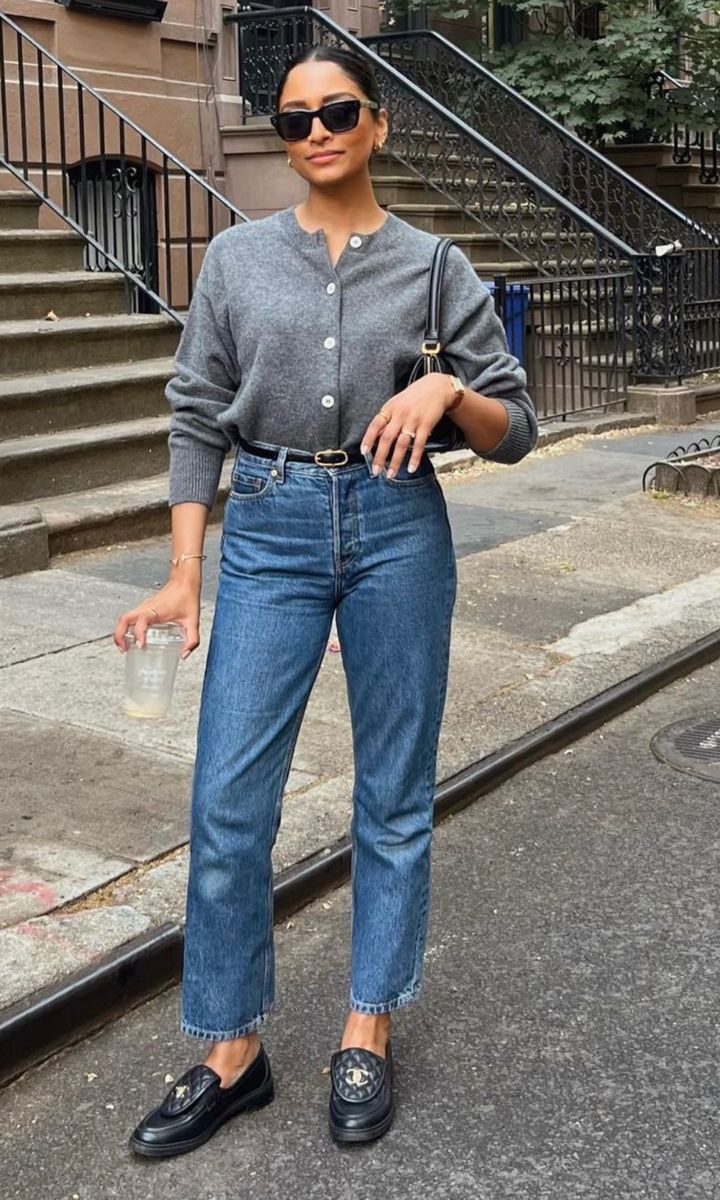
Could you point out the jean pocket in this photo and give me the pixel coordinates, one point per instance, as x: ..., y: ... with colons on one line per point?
x: 425, y: 473
x: 250, y: 483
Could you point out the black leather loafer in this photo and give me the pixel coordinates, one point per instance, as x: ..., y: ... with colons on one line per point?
x: 197, y: 1106
x: 361, y: 1100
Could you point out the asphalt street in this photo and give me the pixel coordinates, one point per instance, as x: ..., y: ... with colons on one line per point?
x: 565, y: 1046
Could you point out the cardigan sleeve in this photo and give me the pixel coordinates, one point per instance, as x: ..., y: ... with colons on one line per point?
x: 205, y: 382
x: 476, y: 345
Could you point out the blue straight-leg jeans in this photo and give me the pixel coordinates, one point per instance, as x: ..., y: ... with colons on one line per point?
x: 300, y: 543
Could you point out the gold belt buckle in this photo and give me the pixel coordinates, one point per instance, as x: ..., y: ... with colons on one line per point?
x: 334, y: 464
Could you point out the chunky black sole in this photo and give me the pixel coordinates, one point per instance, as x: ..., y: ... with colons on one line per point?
x: 248, y: 1103
x: 340, y: 1134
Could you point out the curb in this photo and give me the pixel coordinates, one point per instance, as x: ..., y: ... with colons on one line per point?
x: 57, y: 1016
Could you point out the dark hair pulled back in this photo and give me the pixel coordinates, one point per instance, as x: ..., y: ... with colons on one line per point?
x: 355, y: 67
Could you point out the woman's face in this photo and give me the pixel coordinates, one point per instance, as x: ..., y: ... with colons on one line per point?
x: 310, y: 85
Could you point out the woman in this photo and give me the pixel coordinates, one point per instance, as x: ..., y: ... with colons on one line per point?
x: 301, y: 325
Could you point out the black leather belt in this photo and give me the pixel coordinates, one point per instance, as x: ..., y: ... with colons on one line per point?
x: 323, y: 458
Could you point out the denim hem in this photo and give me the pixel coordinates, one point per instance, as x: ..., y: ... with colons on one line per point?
x: 223, y: 1035
x: 385, y: 1006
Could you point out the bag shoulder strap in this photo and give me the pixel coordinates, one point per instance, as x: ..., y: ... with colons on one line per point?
x: 432, y: 320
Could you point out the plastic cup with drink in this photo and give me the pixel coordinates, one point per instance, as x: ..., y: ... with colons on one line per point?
x: 150, y: 671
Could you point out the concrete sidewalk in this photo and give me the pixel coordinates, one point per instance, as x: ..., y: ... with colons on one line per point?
x: 569, y: 580
x: 564, y: 1046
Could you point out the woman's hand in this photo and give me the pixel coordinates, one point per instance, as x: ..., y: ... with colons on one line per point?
x: 178, y: 601
x: 416, y: 410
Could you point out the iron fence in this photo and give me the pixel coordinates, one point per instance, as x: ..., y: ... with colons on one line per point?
x: 572, y: 336
x: 676, y: 328
x: 696, y: 139
x: 139, y: 208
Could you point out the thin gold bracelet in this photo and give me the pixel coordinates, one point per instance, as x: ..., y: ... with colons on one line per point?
x: 182, y: 557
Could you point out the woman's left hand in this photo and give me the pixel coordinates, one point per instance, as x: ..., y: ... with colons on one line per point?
x: 415, y: 410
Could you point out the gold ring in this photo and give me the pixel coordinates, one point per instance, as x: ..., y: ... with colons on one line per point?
x: 385, y: 415
x: 154, y: 610
x: 409, y: 432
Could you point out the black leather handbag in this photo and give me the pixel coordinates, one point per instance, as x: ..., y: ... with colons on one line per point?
x: 446, y: 435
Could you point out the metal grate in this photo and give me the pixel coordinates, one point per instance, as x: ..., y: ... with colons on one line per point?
x: 692, y: 746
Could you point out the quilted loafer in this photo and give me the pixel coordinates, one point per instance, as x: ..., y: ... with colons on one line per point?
x: 197, y: 1106
x: 361, y: 1099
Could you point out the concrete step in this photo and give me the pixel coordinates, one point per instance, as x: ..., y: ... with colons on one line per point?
x: 642, y: 154
x: 557, y: 267
x: 584, y: 346
x: 482, y: 249
x: 601, y: 365
x: 443, y: 218
x: 435, y: 217
x: 123, y: 512
x: 32, y: 294
x: 703, y: 195
x: 677, y: 174
x: 57, y: 463
x: 485, y: 249
x: 19, y: 209
x: 513, y: 267
x: 402, y: 177
x: 383, y: 164
x: 398, y: 191
x: 75, y: 342
x: 401, y: 189
x: 448, y: 221
x: 55, y: 400
x: 40, y: 250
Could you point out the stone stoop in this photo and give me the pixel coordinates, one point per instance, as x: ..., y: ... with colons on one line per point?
x: 82, y: 405
x: 677, y: 183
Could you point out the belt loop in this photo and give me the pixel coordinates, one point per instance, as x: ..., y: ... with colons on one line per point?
x: 280, y: 463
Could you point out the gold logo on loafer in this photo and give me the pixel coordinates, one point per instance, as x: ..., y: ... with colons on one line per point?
x: 181, y: 1089
x: 357, y: 1076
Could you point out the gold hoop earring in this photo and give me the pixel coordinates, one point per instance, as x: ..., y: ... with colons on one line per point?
x: 289, y: 161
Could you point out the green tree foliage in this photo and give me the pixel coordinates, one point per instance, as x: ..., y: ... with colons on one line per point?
x: 599, y: 86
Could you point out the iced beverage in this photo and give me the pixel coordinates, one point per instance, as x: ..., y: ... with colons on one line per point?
x: 150, y: 671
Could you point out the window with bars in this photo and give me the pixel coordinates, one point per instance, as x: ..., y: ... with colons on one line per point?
x: 114, y: 200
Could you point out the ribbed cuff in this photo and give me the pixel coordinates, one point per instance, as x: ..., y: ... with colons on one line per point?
x: 195, y: 470
x: 518, y: 439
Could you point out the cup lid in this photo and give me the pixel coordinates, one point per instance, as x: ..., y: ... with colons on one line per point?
x: 166, y: 633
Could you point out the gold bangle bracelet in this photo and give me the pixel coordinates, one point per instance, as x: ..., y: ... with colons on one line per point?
x: 183, y: 557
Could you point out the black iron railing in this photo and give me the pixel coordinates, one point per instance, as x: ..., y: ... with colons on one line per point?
x: 698, y: 139
x: 525, y: 210
x: 572, y: 335
x: 619, y: 203
x: 139, y: 209
x: 531, y: 220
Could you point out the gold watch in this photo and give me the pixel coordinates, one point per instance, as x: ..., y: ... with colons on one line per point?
x: 459, y: 392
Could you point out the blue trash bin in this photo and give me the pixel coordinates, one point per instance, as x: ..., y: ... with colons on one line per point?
x: 517, y: 302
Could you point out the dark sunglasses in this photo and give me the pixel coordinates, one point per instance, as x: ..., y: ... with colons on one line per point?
x: 337, y: 117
